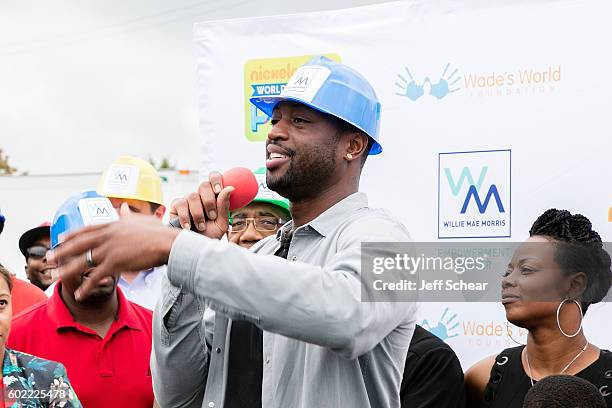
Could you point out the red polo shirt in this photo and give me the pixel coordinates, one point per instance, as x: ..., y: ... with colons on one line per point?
x: 24, y: 295
x: 105, y: 372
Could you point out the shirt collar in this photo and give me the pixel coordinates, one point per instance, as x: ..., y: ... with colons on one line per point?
x: 147, y: 272
x: 59, y: 314
x: 143, y: 276
x: 10, y: 365
x: 57, y: 310
x: 330, y: 218
x: 127, y: 315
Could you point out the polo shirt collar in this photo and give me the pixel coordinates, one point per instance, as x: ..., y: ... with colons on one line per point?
x: 127, y: 315
x: 325, y: 223
x: 60, y: 315
x: 57, y: 311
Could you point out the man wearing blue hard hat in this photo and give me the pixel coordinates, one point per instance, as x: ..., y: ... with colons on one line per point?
x: 322, y: 346
x: 102, y: 339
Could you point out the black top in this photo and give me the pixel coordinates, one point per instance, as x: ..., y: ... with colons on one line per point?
x: 245, y: 366
x: 508, y: 383
x: 433, y: 377
x: 245, y: 360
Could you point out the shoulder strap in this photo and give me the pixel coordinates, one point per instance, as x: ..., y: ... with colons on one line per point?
x: 498, y: 371
x: 603, y: 381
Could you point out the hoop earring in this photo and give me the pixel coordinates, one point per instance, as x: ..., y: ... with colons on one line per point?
x: 559, y: 322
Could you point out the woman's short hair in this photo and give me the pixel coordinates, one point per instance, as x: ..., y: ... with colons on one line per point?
x: 578, y: 249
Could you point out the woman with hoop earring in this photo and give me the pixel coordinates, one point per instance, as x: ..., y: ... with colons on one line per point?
x: 549, y: 284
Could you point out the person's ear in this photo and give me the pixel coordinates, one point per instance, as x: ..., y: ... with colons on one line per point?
x: 124, y: 210
x: 577, y: 284
x: 159, y: 212
x: 356, y: 144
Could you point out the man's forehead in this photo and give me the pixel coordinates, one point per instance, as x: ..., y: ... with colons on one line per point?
x: 129, y: 201
x: 257, y: 209
x: 292, y: 105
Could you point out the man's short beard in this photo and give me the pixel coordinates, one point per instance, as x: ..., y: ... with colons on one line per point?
x: 99, y: 295
x: 98, y: 298
x: 307, y: 174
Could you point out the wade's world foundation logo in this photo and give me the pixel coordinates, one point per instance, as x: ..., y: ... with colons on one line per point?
x: 445, y: 327
x: 474, y: 192
x: 438, y: 86
x: 473, y: 332
x: 417, y: 85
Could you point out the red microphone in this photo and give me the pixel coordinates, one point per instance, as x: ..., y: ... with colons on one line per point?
x: 245, y: 186
x: 245, y: 189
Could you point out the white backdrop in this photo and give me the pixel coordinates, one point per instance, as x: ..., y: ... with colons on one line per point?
x: 529, y: 79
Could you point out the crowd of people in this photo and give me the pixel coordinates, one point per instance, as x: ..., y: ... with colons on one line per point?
x: 261, y: 306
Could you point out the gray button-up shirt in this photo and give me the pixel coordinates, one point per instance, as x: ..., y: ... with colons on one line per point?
x: 323, y: 346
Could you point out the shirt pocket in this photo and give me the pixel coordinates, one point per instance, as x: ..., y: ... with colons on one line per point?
x: 169, y: 312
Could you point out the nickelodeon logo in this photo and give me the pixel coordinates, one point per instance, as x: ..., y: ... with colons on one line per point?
x: 277, y: 74
x: 267, y: 77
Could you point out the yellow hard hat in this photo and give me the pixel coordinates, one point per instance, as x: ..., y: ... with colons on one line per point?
x: 131, y: 178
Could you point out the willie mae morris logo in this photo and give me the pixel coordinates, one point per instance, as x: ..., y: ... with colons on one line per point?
x: 474, y: 194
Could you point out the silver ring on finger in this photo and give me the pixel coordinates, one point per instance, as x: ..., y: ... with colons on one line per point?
x: 89, y: 259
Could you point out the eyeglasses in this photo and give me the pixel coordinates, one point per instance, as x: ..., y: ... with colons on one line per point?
x: 261, y: 224
x: 37, y: 252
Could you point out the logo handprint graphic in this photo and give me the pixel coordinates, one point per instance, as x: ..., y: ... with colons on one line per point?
x: 443, y: 330
x: 442, y: 87
x: 413, y: 90
x: 410, y: 90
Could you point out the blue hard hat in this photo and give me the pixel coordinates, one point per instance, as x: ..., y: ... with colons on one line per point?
x: 332, y: 88
x: 78, y: 211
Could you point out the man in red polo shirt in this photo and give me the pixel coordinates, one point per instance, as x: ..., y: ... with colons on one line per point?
x: 104, y: 340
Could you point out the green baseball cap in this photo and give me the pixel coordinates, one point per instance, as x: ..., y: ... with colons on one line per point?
x: 265, y: 195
